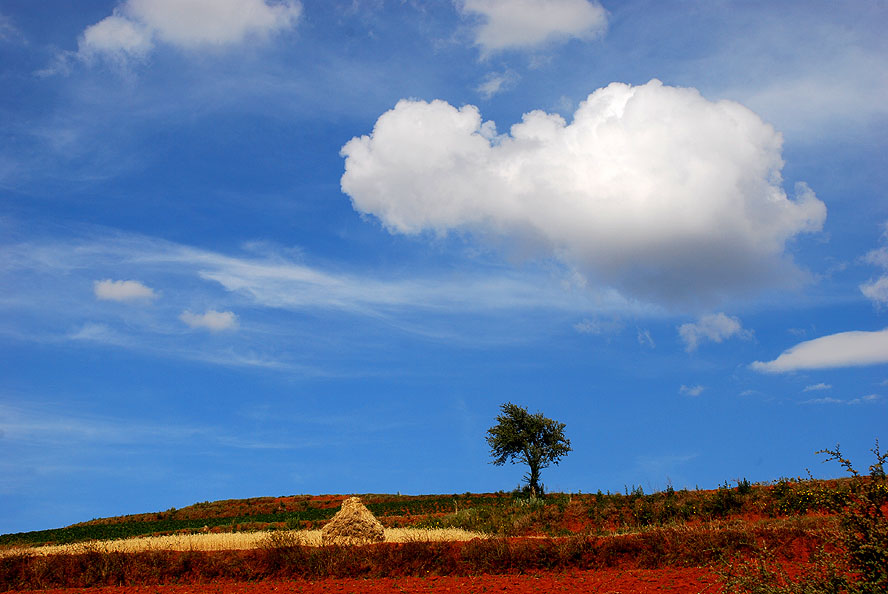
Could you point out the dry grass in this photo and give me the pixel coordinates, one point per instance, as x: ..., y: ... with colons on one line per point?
x: 232, y: 541
x: 433, y: 535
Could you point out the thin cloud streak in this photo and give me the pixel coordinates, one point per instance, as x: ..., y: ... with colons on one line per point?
x: 276, y: 282
x: 32, y: 426
x: 53, y: 302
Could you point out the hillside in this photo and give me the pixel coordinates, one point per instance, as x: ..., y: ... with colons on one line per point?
x: 738, y: 536
x: 505, y: 514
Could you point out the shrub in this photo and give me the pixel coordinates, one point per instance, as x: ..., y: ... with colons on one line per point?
x: 723, y: 502
x: 765, y: 575
x: 864, y: 524
x: 859, y: 566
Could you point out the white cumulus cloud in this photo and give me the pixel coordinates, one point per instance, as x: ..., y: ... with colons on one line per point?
x: 135, y: 24
x: 128, y: 290
x: 711, y: 327
x: 518, y: 24
x: 817, y: 387
x: 876, y: 290
x: 845, y: 349
x: 212, y: 320
x: 651, y: 189
x: 691, y: 390
x: 116, y: 35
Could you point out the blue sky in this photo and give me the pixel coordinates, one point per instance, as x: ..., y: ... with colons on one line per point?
x: 256, y: 248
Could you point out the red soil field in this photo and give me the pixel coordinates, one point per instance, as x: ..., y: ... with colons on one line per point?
x: 613, y: 581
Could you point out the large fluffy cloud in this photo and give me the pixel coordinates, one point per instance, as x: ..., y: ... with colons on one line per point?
x: 845, y: 349
x: 135, y: 24
x: 510, y: 24
x: 650, y: 189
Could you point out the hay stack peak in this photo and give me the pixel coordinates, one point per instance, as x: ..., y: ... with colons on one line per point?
x: 353, y: 525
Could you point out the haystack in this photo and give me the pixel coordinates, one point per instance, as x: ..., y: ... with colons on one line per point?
x: 352, y: 525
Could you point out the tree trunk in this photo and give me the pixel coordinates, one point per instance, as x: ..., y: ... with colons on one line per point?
x: 534, y: 479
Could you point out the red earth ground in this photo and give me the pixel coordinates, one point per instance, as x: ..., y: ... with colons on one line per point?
x: 614, y: 581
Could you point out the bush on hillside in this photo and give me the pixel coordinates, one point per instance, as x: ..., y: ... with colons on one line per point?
x: 858, y: 566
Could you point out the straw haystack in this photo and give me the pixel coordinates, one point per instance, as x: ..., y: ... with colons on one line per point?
x: 352, y: 525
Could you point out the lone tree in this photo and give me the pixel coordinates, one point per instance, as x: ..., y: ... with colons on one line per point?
x: 531, y: 439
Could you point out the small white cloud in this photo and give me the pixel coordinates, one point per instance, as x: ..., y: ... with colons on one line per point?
x: 825, y: 400
x: 497, y: 82
x: 520, y: 24
x: 878, y: 257
x: 95, y: 333
x: 8, y: 31
x: 214, y: 321
x: 598, y: 326
x: 876, y: 290
x: 868, y: 399
x: 691, y: 390
x: 711, y: 327
x: 116, y: 35
x: 135, y: 25
x: 645, y: 339
x: 845, y: 349
x: 128, y: 290
x: 817, y: 387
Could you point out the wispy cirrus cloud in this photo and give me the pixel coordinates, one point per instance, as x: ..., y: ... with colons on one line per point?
x: 274, y: 280
x: 53, y: 299
x: 599, y: 326
x: 48, y: 427
x: 8, y: 31
x: 645, y: 339
x: 31, y: 424
x: 868, y: 399
x: 811, y: 76
x: 497, y: 82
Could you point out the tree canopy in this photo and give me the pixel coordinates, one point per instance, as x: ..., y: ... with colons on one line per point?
x: 528, y: 438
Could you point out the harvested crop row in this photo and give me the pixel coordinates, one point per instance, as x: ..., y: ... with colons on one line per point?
x: 233, y: 541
